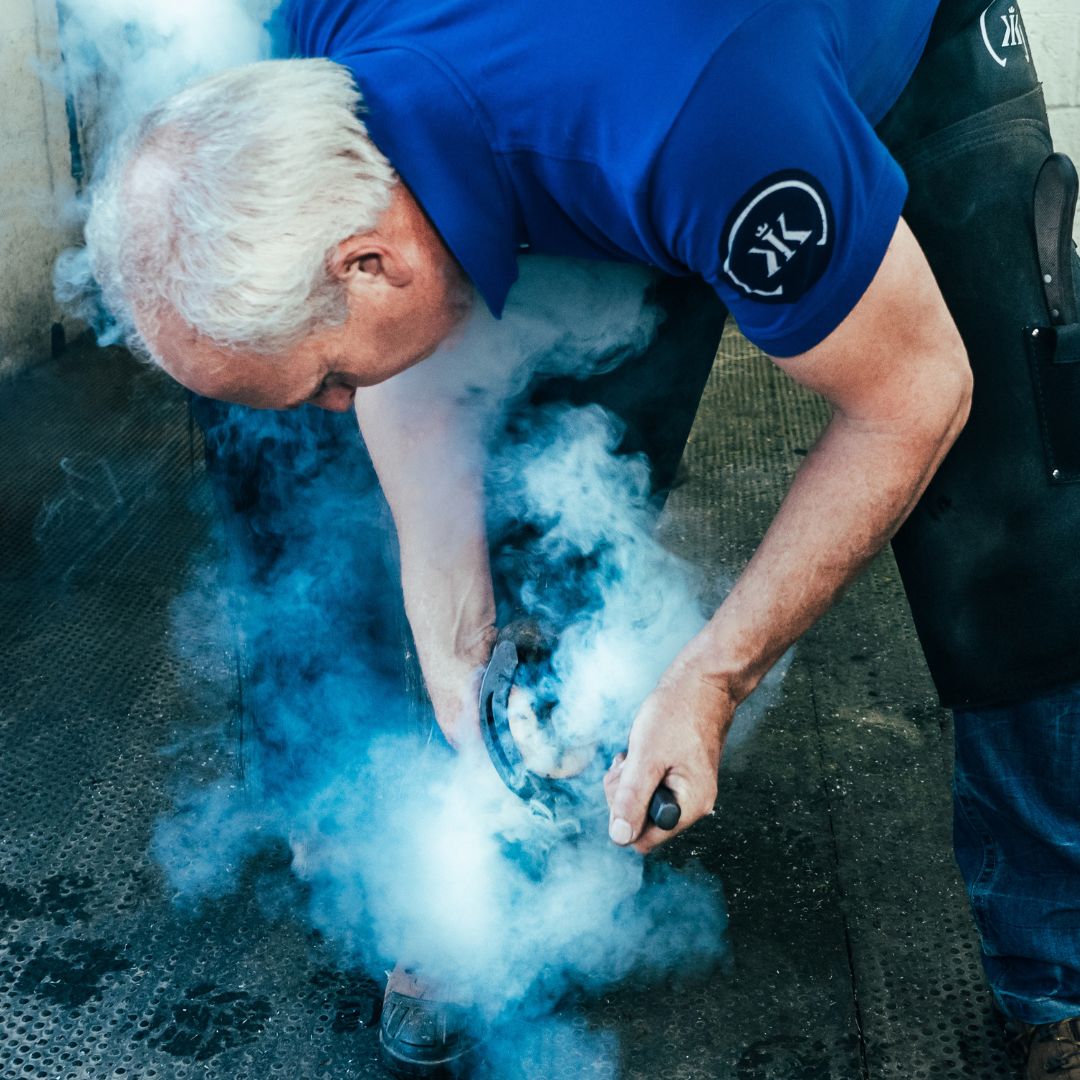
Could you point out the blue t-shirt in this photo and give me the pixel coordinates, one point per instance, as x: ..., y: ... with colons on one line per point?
x: 734, y: 141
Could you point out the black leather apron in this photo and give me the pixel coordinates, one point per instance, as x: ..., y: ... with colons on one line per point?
x: 990, y: 558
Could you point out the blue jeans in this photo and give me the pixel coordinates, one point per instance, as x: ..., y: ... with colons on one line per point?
x: 1017, y: 841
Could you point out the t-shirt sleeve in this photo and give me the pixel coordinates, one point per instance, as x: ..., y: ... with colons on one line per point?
x: 772, y: 185
x: 311, y: 25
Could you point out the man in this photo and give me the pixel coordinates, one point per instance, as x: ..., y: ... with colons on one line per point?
x: 306, y: 257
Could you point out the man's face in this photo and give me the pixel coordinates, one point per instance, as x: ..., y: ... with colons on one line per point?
x: 326, y: 368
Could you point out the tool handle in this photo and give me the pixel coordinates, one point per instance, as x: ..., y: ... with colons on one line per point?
x: 1057, y: 188
x: 664, y: 811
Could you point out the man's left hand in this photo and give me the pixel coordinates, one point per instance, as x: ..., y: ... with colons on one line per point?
x: 677, y: 739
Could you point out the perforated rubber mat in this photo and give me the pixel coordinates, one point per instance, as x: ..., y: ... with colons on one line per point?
x: 853, y: 956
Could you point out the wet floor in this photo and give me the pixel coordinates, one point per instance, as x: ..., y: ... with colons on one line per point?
x: 852, y: 955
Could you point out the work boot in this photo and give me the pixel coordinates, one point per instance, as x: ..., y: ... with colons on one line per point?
x: 1053, y: 1050
x: 421, y: 1032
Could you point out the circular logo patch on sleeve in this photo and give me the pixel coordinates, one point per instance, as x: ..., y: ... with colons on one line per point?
x: 779, y: 238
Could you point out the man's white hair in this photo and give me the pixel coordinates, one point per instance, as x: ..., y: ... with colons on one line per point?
x: 225, y: 202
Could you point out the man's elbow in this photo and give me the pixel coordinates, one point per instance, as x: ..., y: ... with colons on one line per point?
x: 940, y: 408
x: 956, y: 391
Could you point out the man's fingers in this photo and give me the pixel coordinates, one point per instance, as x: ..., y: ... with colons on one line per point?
x: 652, y: 838
x: 612, y: 776
x: 637, y: 780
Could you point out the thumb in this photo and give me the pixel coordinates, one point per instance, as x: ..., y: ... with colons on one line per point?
x: 629, y: 803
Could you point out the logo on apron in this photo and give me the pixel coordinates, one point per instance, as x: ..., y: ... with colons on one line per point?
x: 1013, y: 37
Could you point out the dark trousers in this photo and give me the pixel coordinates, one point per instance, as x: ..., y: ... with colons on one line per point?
x: 1017, y: 840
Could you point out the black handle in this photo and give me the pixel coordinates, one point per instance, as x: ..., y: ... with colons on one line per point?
x: 664, y: 811
x: 1056, y: 190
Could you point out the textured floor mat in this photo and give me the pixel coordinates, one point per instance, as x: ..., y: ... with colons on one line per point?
x: 852, y: 953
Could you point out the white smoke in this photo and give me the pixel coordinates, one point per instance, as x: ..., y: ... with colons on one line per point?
x: 122, y: 57
x: 568, y: 317
x: 451, y: 873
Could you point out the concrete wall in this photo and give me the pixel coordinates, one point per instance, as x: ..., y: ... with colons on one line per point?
x: 35, y: 180
x: 1054, y: 30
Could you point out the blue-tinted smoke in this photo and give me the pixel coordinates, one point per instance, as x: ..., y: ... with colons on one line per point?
x: 405, y: 852
x: 408, y: 852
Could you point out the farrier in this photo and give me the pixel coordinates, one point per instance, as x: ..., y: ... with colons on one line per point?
x: 870, y: 192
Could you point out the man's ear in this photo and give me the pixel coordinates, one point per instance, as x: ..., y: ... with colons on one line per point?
x: 365, y: 256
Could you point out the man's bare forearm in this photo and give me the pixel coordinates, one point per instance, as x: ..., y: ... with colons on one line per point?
x: 428, y: 454
x: 896, y: 373
x: 852, y: 493
x: 451, y: 610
